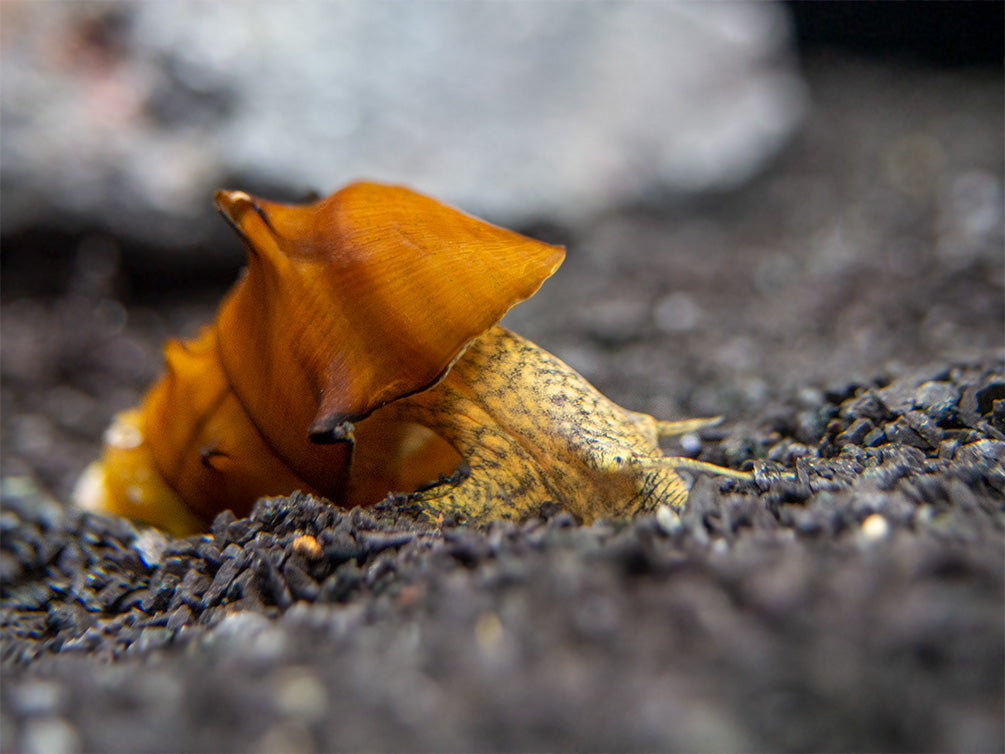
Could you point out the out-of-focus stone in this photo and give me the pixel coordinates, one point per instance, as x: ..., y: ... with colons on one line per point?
x: 127, y: 116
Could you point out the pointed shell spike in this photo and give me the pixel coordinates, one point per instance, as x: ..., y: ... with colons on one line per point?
x: 360, y: 299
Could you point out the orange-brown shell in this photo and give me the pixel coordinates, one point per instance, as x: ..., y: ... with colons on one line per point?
x: 360, y: 299
x: 206, y: 446
x: 347, y: 304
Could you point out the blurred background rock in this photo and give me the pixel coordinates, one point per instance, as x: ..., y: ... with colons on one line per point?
x: 126, y: 116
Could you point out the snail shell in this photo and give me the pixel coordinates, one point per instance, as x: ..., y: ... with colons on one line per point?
x: 347, y: 304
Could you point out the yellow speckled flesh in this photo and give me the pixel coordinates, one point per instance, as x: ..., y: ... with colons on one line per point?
x: 532, y: 430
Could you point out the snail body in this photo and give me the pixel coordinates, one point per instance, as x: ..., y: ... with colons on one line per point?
x: 360, y: 355
x: 531, y: 429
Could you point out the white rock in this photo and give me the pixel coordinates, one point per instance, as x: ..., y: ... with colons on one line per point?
x: 516, y: 111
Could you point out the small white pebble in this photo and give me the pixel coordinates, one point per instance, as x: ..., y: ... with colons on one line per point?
x: 667, y: 519
x: 49, y: 735
x: 150, y: 545
x: 300, y: 694
x: 38, y: 698
x: 488, y: 632
x: 267, y: 646
x: 241, y: 625
x: 691, y: 443
x: 89, y: 493
x: 875, y: 528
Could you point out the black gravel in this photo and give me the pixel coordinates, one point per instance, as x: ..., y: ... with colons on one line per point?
x: 848, y: 306
x: 851, y: 598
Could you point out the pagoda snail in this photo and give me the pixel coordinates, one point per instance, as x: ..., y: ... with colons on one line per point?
x: 359, y: 355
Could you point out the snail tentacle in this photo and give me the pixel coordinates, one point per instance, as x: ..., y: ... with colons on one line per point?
x: 684, y: 426
x: 692, y: 464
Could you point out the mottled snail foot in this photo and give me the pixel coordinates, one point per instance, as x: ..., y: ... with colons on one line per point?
x: 474, y: 498
x: 446, y: 502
